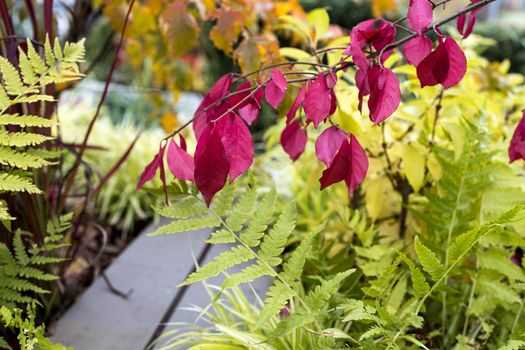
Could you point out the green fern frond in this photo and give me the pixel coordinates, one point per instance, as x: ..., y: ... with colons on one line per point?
x: 259, y: 222
x: 3, y: 344
x: 4, y: 212
x: 191, y: 224
x: 20, y: 250
x: 497, y: 259
x: 320, y: 295
x: 223, y: 200
x: 15, y: 183
x: 225, y: 260
x: 273, y: 244
x: 498, y: 290
x: 419, y: 282
x: 428, y: 260
x: 21, y: 139
x: 20, y: 272
x: 186, y: 208
x: 25, y: 120
x: 291, y: 323
x: 12, y: 81
x: 26, y: 68
x: 35, y: 98
x: 278, y: 296
x: 242, y: 210
x: 293, y: 267
x: 57, y: 227
x: 26, y: 84
x: 20, y: 160
x: 513, y: 345
x: 36, y: 61
x: 247, y: 275
x: 221, y: 236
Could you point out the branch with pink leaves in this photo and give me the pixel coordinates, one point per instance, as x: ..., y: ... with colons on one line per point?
x: 224, y: 143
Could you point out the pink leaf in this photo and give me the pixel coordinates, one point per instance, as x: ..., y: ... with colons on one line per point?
x: 361, y: 81
x: 369, y: 34
x: 333, y: 102
x: 250, y: 111
x: 328, y: 143
x: 162, y: 174
x: 385, y: 94
x: 359, y: 163
x: 350, y: 164
x: 296, y: 105
x: 274, y: 92
x: 211, y: 164
x: 180, y: 162
x: 238, y: 144
x: 151, y: 169
x: 317, y: 102
x: 202, y: 116
x: 331, y: 79
x: 517, y: 144
x: 246, y: 102
x: 417, y: 49
x: 293, y: 139
x: 467, y: 30
x: 182, y: 142
x: 446, y: 65
x: 340, y: 167
x: 419, y: 14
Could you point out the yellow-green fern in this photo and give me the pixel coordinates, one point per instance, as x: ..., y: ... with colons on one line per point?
x: 26, y: 85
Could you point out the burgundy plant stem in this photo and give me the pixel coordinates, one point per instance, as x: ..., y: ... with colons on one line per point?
x: 32, y: 16
x: 48, y: 18
x: 9, y: 31
x: 117, y: 165
x: 288, y: 63
x: 81, y: 151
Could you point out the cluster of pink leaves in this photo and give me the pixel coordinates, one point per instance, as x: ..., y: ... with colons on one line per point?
x: 224, y: 143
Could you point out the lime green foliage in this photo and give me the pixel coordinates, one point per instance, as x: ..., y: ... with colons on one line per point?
x: 20, y: 271
x: 20, y: 274
x: 118, y: 203
x: 58, y: 65
x: 30, y: 336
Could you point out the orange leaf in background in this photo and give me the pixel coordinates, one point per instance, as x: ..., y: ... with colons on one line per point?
x: 289, y: 7
x: 257, y: 51
x: 227, y: 29
x: 169, y: 121
x: 380, y: 7
x: 179, y: 27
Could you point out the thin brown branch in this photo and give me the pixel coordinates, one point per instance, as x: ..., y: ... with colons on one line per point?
x: 437, y: 24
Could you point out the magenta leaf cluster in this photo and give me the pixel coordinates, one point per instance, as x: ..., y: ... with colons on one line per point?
x: 224, y: 143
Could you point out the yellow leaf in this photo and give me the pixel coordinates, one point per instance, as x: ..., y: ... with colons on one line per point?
x: 296, y: 54
x: 457, y: 134
x: 374, y: 196
x: 257, y: 51
x: 227, y: 29
x: 169, y: 121
x: 320, y: 20
x: 434, y: 167
x: 379, y: 7
x: 413, y: 166
x: 179, y: 28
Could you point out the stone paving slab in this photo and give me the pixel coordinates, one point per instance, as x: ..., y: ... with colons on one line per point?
x: 151, y: 267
